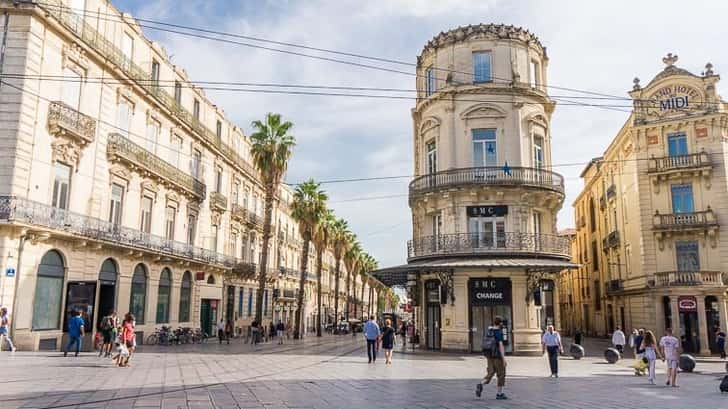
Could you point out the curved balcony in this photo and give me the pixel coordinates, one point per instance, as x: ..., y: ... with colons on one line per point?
x: 488, y: 176
x: 474, y: 244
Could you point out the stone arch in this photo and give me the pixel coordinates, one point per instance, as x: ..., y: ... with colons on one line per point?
x: 483, y: 110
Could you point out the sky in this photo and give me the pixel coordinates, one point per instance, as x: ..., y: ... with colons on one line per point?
x: 598, y: 46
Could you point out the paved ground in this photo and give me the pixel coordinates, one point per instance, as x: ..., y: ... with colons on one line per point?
x: 331, y: 373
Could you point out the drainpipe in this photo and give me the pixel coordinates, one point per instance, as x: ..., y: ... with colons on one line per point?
x: 3, y: 46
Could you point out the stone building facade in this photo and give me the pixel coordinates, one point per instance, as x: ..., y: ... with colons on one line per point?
x: 650, y: 216
x: 122, y: 186
x: 484, y: 199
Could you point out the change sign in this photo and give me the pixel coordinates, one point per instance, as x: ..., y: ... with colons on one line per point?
x: 490, y: 291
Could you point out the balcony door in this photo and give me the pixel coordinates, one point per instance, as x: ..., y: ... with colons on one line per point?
x: 677, y: 144
x: 487, y: 232
x: 485, y: 148
x: 682, y: 198
x: 688, y: 258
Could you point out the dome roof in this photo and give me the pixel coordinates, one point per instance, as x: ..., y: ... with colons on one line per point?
x: 483, y: 31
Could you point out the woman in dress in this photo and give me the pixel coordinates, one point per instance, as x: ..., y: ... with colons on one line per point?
x: 388, y: 340
x: 649, y: 345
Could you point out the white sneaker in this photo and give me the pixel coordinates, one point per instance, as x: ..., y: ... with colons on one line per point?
x: 14, y: 349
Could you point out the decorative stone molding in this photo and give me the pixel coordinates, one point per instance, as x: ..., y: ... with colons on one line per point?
x: 150, y: 187
x: 215, y: 218
x: 429, y: 124
x: 483, y: 32
x: 125, y: 93
x: 483, y: 111
x: 74, y: 57
x: 67, y: 152
x: 173, y: 197
x: 120, y: 172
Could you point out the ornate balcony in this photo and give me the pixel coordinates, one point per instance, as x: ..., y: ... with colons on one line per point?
x: 677, y: 166
x: 487, y: 176
x: 611, y: 241
x: 289, y: 272
x: 66, y: 121
x: 611, y: 192
x: 473, y: 244
x: 254, y: 221
x: 218, y: 201
x: 688, y: 279
x: 88, y: 35
x: 703, y: 222
x: 121, y: 149
x: 238, y: 212
x: 24, y: 212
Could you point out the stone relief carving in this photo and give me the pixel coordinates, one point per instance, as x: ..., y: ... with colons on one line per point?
x: 67, y: 152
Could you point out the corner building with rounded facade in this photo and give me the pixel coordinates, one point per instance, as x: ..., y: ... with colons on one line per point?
x: 484, y: 199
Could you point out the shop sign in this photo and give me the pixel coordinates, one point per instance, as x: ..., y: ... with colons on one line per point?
x: 674, y: 98
x: 200, y: 276
x: 213, y: 303
x: 687, y: 303
x: 487, y: 211
x: 490, y: 291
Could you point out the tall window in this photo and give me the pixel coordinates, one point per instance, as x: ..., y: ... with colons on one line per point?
x: 535, y: 74
x: 178, y: 92
x: 233, y: 243
x: 71, y: 88
x: 592, y: 215
x: 185, y: 297
x: 430, y: 78
x: 218, y: 129
x: 117, y: 203
x: 597, y: 295
x: 214, y: 238
x: 687, y: 256
x: 48, y: 292
x: 155, y: 73
x: 138, y: 298
x: 682, y: 198
x: 250, y: 302
x: 196, y: 108
x: 236, y: 192
x: 127, y: 48
x: 124, y: 119
x: 175, y: 150
x: 61, y: 186
x: 431, y: 158
x: 196, y: 163
x: 218, y: 179
x: 485, y: 147
x: 595, y: 255
x: 481, y: 67
x: 538, y: 152
x: 191, y: 228
x: 677, y: 144
x: 488, y: 231
x: 146, y: 221
x: 165, y: 284
x: 170, y: 213
x: 241, y: 301
x: 245, y: 198
x: 152, y: 135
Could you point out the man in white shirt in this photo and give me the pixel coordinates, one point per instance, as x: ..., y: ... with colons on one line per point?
x: 619, y: 340
x: 551, y: 342
x: 670, y: 349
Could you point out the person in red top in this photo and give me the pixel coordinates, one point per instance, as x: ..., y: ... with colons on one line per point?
x: 127, y: 337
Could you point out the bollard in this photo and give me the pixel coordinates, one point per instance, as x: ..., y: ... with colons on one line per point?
x: 576, y: 351
x: 612, y: 355
x: 686, y: 363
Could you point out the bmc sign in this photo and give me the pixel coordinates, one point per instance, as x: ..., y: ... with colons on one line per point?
x: 687, y: 303
x: 490, y: 291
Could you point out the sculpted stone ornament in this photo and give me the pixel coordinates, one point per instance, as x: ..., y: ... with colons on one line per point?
x: 66, y: 151
x: 670, y: 59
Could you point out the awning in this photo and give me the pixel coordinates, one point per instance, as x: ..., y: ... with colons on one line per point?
x: 397, y: 275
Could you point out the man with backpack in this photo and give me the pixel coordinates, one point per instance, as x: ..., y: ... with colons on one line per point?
x: 494, y: 352
x: 108, y: 326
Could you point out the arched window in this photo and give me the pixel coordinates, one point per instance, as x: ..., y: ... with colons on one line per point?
x: 138, y: 298
x: 107, y: 275
x: 185, y: 297
x: 211, y: 279
x: 48, y: 292
x: 165, y: 284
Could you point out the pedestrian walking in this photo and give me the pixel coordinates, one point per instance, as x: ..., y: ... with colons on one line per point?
x: 649, y: 346
x: 619, y: 340
x: 221, y: 331
x: 719, y: 342
x: 254, y: 333
x: 4, y: 329
x: 280, y: 329
x: 76, y: 332
x: 128, y: 339
x: 107, y: 326
x: 228, y: 331
x: 670, y: 351
x: 289, y: 329
x: 372, y: 333
x: 577, y: 336
x: 403, y: 333
x: 551, y: 343
x: 272, y: 330
x: 388, y: 335
x: 639, y: 351
x: 495, y: 353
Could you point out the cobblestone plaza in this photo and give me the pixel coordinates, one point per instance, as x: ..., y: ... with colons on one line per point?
x: 333, y: 373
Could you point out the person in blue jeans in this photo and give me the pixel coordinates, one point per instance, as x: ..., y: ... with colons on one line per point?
x: 75, y: 332
x: 371, y: 333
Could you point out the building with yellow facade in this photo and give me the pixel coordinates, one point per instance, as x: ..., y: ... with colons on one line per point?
x: 650, y: 216
x: 122, y: 186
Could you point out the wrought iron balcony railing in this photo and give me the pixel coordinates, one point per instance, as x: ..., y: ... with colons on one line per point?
x: 683, y: 221
x: 62, y: 119
x: 668, y: 164
x: 218, y: 201
x: 254, y: 220
x: 611, y: 192
x: 16, y: 210
x: 238, y: 212
x: 488, y: 176
x: 611, y: 241
x: 120, y: 148
x: 688, y: 278
x: 513, y: 243
x: 113, y: 54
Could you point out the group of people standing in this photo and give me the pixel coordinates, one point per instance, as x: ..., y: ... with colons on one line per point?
x: 113, y: 333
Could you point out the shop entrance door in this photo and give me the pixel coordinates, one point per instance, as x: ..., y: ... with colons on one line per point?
x: 489, y: 298
x: 690, y: 335
x: 81, y: 296
x: 432, y: 315
x: 482, y: 318
x: 107, y: 290
x: 208, y: 316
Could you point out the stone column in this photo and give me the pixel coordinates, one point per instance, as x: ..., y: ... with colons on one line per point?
x: 702, y: 328
x: 659, y: 316
x: 676, y: 331
x: 722, y: 312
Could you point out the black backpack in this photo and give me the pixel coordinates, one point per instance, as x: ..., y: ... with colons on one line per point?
x: 106, y: 323
x: 724, y: 384
x: 490, y: 344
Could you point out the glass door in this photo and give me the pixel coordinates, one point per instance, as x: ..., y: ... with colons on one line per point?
x: 487, y: 232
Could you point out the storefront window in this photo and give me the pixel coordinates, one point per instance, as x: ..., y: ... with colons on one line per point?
x: 138, y: 293
x: 185, y: 297
x: 165, y: 283
x: 48, y: 292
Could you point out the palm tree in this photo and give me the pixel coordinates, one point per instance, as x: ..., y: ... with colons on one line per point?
x: 308, y: 207
x: 340, y: 241
x: 368, y: 264
x: 321, y: 240
x: 351, y: 260
x: 271, y: 150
